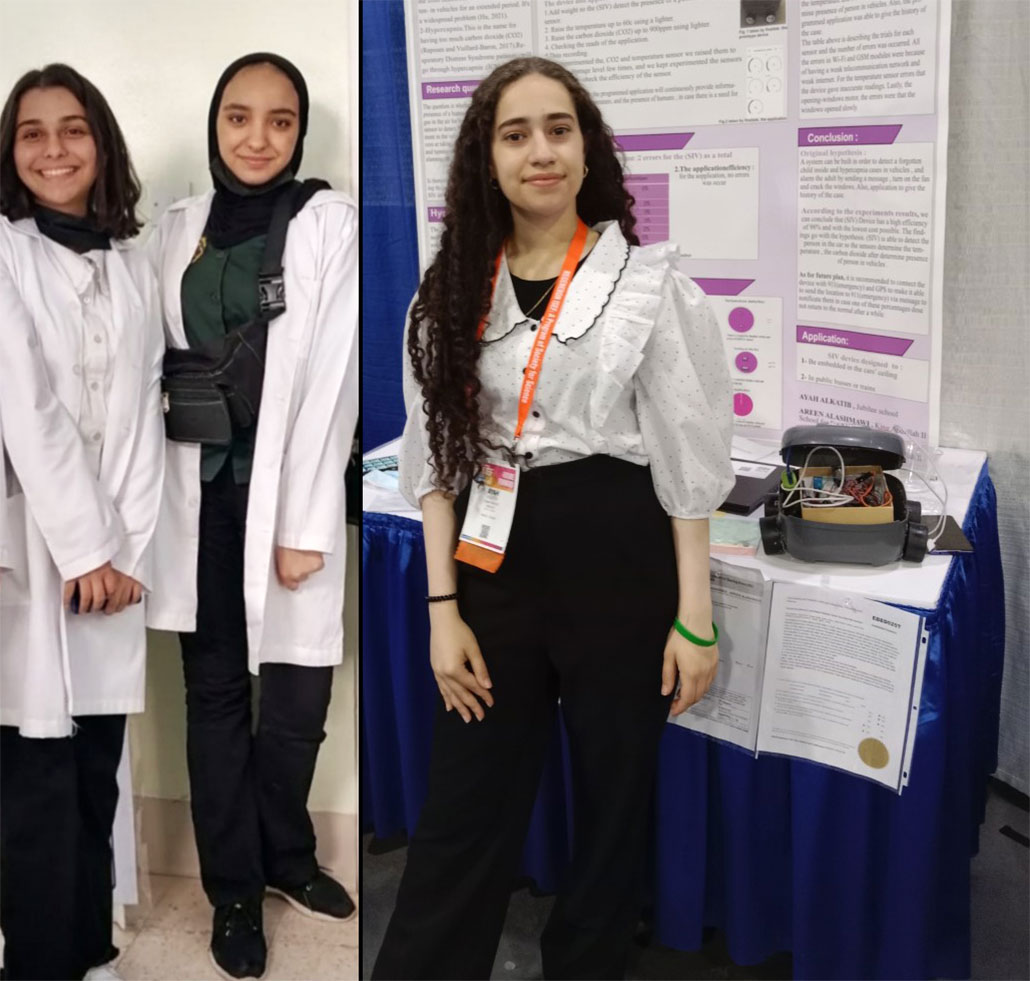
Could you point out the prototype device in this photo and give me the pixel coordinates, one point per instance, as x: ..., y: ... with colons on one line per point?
x: 837, y: 503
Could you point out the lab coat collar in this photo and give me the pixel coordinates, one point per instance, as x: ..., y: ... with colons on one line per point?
x: 81, y: 270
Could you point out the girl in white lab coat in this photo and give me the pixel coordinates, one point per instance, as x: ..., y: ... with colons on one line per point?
x: 250, y: 547
x: 80, y: 358
x: 5, y: 548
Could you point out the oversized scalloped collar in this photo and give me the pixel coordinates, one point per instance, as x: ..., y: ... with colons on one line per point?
x: 587, y: 296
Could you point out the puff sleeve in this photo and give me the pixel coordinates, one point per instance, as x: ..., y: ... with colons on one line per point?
x: 685, y: 402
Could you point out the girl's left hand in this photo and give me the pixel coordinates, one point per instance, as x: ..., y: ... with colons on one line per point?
x: 294, y: 565
x: 696, y: 667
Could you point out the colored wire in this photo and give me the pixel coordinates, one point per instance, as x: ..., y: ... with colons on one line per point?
x: 816, y: 497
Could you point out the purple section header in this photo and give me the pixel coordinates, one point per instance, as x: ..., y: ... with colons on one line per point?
x: 653, y: 141
x: 847, y: 135
x: 437, y: 213
x: 723, y: 287
x: 855, y: 341
x: 448, y: 90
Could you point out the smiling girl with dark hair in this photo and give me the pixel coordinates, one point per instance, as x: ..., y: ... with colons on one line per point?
x: 80, y: 363
x: 549, y: 353
x: 113, y: 197
x: 455, y: 290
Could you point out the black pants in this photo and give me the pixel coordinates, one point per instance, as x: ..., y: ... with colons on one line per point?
x: 248, y: 789
x: 57, y: 804
x: 580, y: 611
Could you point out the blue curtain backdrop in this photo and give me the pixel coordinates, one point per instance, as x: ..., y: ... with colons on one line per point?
x: 389, y: 245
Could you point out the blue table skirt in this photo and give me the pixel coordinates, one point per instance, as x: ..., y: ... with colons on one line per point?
x: 854, y: 880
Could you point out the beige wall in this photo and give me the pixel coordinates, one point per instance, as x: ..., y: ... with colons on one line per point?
x: 157, y: 64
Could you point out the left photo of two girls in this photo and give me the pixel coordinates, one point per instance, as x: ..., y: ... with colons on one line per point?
x: 178, y: 400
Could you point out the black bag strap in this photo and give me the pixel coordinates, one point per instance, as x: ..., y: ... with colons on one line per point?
x: 271, y: 291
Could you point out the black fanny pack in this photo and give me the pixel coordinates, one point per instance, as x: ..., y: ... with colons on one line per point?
x: 210, y: 393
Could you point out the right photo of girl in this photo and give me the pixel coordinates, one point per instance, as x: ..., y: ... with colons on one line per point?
x: 546, y: 350
x: 644, y: 400
x: 626, y: 440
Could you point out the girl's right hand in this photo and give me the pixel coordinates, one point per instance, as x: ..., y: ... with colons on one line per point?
x: 94, y: 588
x: 453, y: 651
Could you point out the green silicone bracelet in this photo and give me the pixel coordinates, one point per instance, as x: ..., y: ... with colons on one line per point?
x: 680, y: 629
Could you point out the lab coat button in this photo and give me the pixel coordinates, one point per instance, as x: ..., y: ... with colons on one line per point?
x: 97, y: 338
x: 94, y: 386
x: 96, y: 437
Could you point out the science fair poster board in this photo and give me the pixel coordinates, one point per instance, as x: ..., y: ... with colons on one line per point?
x: 794, y: 150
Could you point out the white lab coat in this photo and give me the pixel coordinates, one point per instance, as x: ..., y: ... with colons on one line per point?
x: 5, y: 545
x: 64, y: 515
x: 305, y: 427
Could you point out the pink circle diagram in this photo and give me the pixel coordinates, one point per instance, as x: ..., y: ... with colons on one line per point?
x: 746, y: 362
x: 742, y: 404
x: 741, y: 319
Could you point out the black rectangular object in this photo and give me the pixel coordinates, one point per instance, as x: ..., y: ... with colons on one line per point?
x: 749, y: 493
x: 951, y: 540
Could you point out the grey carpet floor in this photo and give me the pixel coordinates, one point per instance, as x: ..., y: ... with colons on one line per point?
x: 1000, y: 904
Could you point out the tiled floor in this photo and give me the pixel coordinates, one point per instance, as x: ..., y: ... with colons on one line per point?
x: 171, y: 941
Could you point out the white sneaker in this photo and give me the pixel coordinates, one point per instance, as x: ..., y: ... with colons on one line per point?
x: 102, y: 973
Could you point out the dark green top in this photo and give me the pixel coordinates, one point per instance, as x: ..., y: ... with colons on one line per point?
x: 219, y: 294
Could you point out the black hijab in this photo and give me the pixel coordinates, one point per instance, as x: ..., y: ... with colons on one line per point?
x: 242, y: 211
x: 78, y: 234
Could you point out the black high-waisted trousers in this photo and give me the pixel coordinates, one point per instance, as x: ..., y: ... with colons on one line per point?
x: 578, y: 612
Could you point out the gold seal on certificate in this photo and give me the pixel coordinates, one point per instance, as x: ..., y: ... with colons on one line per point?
x: 873, y: 753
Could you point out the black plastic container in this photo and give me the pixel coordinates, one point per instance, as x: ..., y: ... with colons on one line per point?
x: 814, y: 541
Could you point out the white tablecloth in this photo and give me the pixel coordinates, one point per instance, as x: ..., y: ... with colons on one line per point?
x: 906, y: 583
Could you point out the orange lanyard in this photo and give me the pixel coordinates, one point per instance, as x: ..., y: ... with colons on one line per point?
x: 531, y: 375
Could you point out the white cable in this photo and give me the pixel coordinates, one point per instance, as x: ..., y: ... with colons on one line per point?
x: 939, y: 527
x: 817, y: 497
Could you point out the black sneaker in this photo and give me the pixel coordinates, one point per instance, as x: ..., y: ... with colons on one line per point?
x: 238, y: 947
x: 323, y: 898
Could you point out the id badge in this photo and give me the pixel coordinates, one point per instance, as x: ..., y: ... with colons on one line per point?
x: 491, y: 510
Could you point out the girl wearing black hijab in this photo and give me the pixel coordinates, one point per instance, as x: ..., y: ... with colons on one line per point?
x: 250, y: 545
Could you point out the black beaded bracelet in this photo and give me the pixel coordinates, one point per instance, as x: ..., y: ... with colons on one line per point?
x: 441, y: 599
